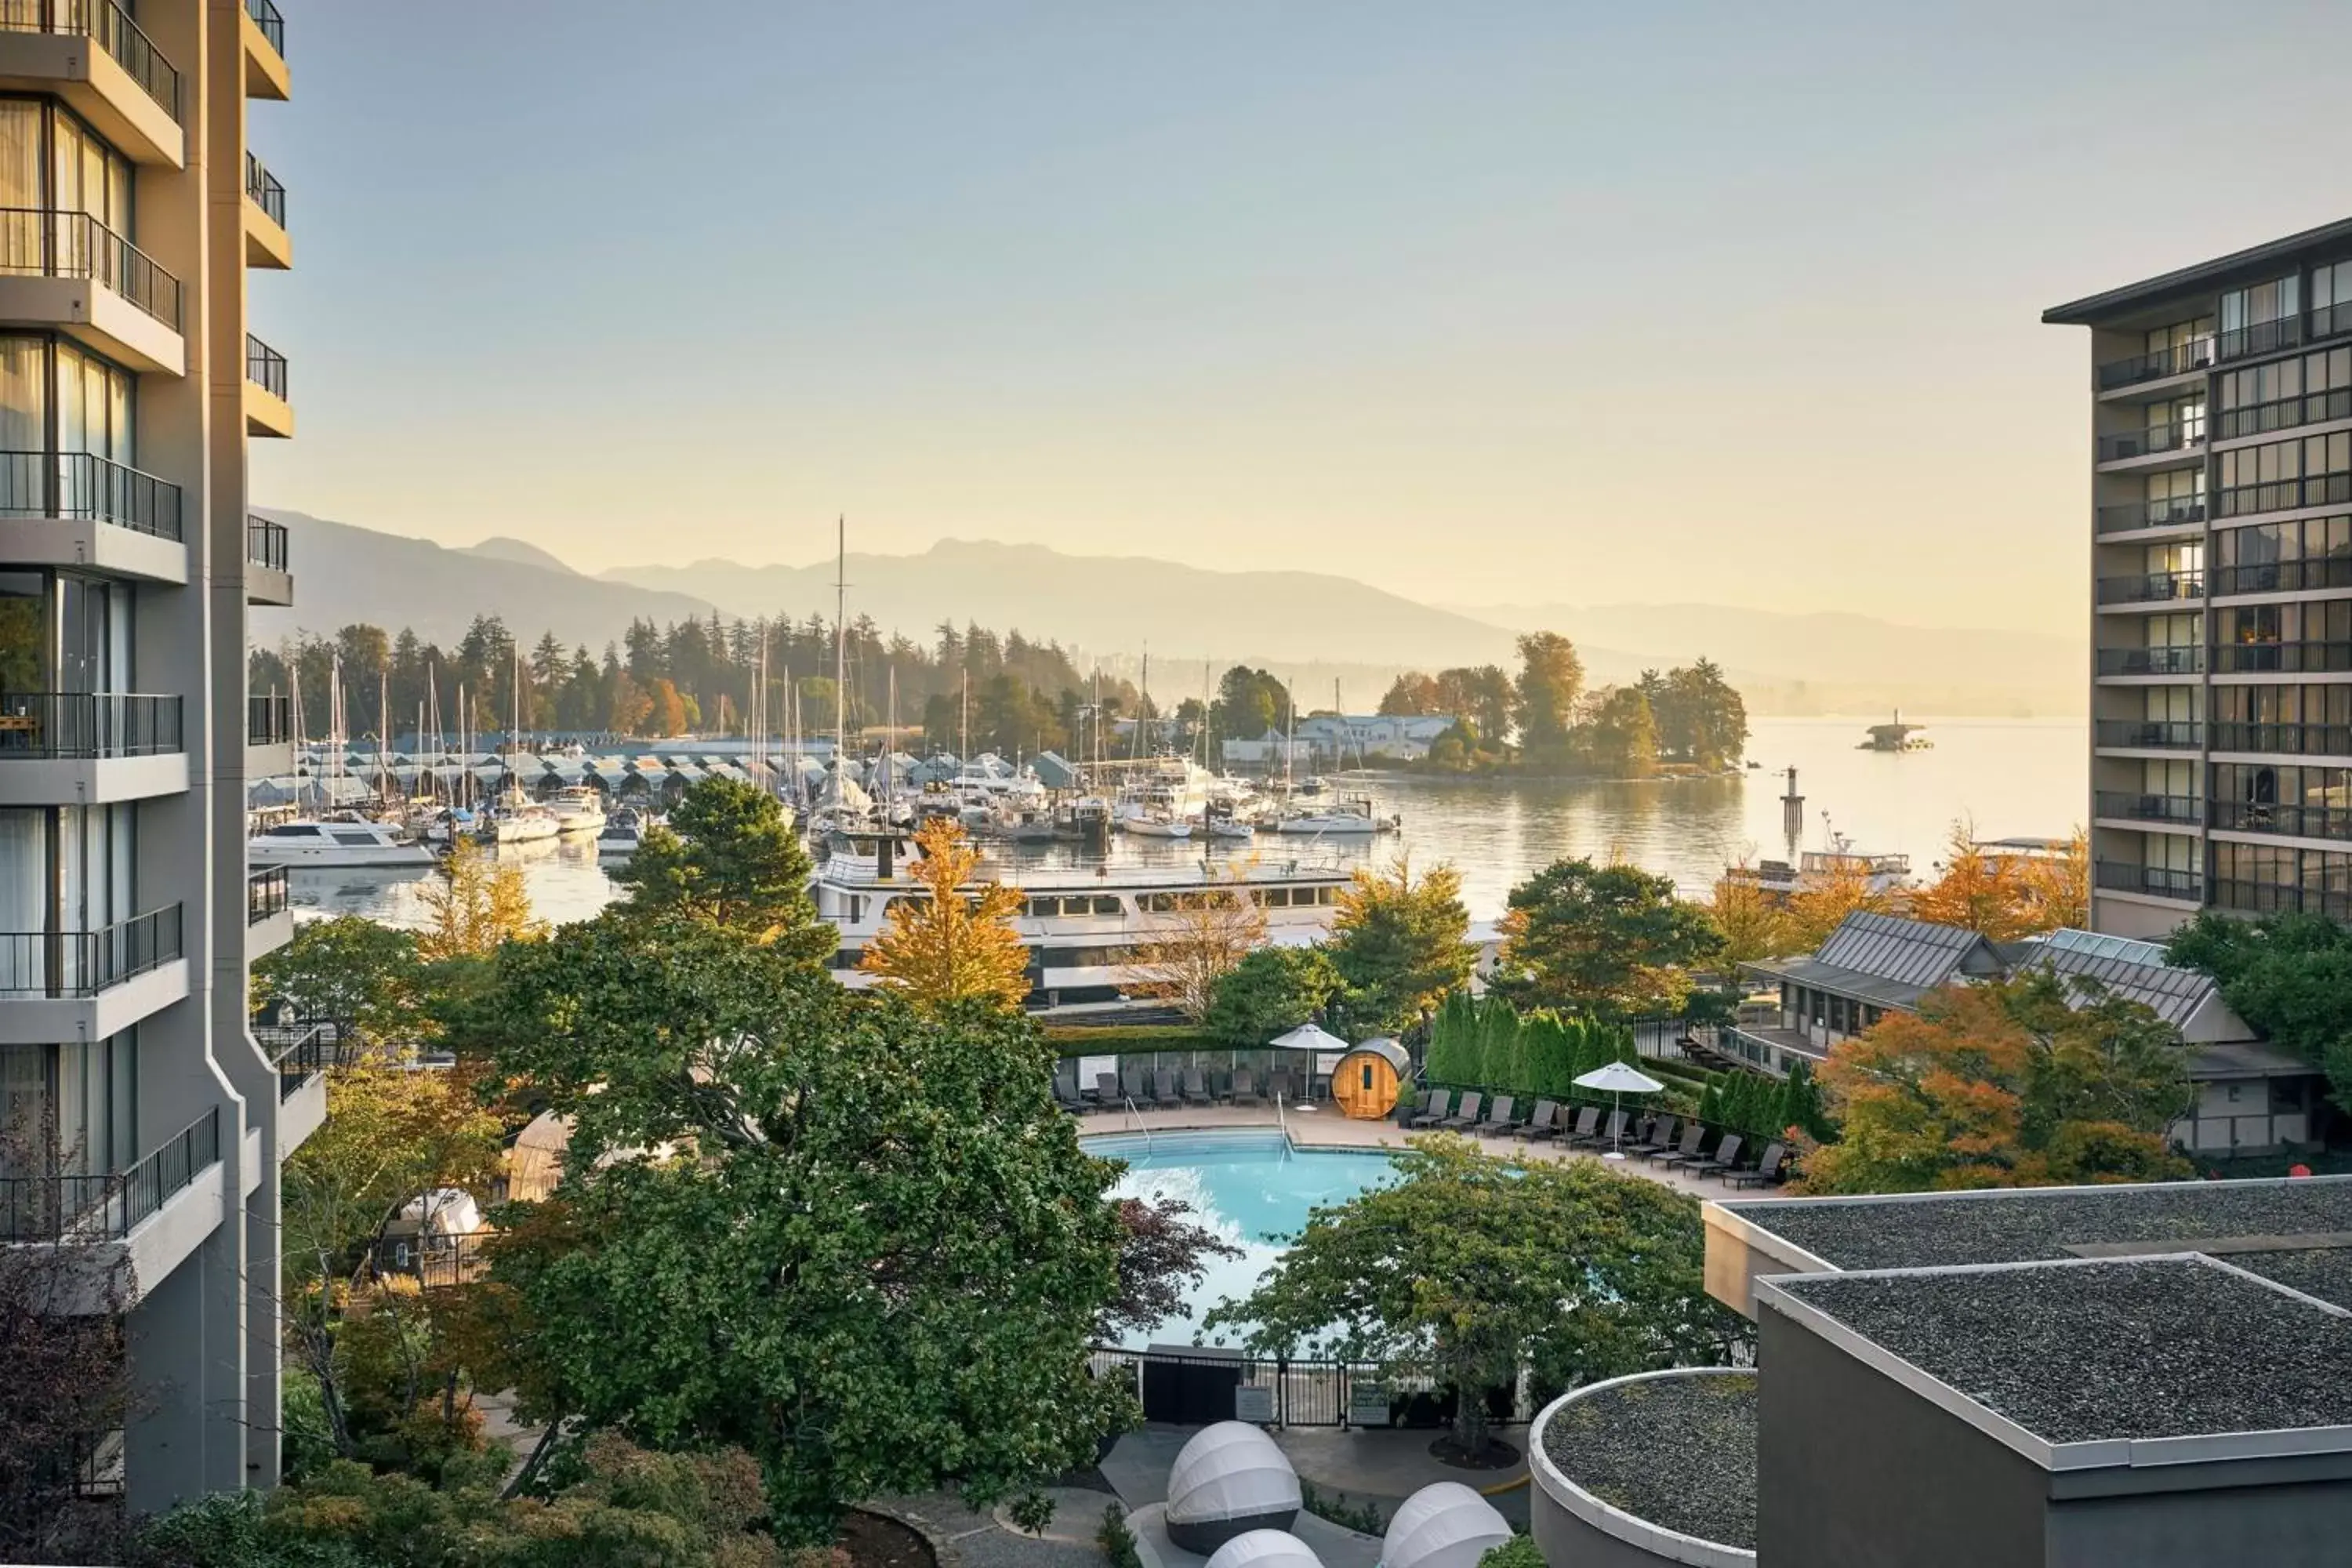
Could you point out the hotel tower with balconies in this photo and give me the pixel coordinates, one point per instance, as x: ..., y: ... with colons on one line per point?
x: 142, y: 1115
x: 2221, y: 540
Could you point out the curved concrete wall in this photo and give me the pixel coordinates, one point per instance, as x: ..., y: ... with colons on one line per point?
x: 1573, y: 1528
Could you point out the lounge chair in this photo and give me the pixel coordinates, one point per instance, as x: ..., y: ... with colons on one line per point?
x: 1433, y: 1108
x: 1465, y: 1115
x: 1105, y: 1091
x: 1500, y: 1118
x: 1164, y: 1089
x: 1586, y: 1121
x: 1066, y: 1090
x: 1245, y: 1089
x: 1195, y: 1091
x: 1767, y: 1172
x: 1135, y: 1085
x: 1607, y: 1138
x: 1658, y: 1138
x: 1726, y: 1158
x: 1540, y: 1125
x: 1684, y: 1152
x: 1279, y: 1087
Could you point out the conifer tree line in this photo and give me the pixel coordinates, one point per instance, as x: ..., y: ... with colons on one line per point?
x: 1014, y: 695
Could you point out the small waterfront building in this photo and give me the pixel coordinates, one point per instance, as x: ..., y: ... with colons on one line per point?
x: 1366, y: 1082
x: 2251, y: 1096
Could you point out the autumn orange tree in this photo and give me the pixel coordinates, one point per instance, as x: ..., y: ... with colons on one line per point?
x: 474, y: 907
x: 1823, y: 899
x: 2006, y: 896
x: 945, y: 944
x: 2027, y: 1083
x: 1754, y: 924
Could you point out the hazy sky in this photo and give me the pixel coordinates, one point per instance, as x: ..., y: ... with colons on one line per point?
x: 1547, y: 300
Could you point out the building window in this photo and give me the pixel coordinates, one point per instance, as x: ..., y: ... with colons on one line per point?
x: 2331, y: 299
x: 2281, y: 475
x: 2284, y: 557
x: 2260, y: 319
x: 2290, y: 392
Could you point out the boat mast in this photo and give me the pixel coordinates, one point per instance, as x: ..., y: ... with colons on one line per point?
x: 840, y: 653
x: 963, y: 717
x: 294, y: 706
x: 1143, y: 707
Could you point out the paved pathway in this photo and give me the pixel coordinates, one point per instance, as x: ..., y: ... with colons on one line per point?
x: 1323, y: 1127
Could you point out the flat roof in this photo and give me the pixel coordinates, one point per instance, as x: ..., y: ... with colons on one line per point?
x: 1675, y: 1451
x: 2201, y: 274
x: 2099, y: 1352
x: 2017, y: 1225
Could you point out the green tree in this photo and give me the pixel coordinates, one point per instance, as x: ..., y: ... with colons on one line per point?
x: 1410, y: 694
x: 1469, y: 1269
x: 1400, y: 942
x: 1701, y: 719
x: 1611, y: 941
x: 357, y: 971
x: 1617, y: 736
x: 1249, y: 703
x: 880, y: 1267
x: 730, y: 858
x: 1551, y: 678
x: 2289, y: 975
x: 1271, y: 991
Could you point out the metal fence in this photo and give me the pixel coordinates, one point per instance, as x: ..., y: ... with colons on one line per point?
x: 264, y: 543
x: 53, y: 1208
x: 50, y: 725
x: 114, y: 31
x: 86, y: 963
x: 433, y: 1258
x: 43, y: 242
x: 265, y: 190
x: 265, y: 367
x: 82, y: 484
x: 1197, y: 1386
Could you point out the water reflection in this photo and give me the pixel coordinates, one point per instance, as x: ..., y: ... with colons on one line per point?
x: 2013, y: 777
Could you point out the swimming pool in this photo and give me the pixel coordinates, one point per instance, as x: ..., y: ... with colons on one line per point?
x: 1252, y: 1188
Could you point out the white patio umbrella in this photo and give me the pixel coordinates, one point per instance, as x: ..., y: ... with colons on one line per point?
x: 1309, y: 1036
x: 1620, y: 1080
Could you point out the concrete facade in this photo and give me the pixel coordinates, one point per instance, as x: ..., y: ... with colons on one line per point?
x: 142, y: 511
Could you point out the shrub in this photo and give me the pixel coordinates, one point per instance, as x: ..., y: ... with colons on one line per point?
x: 1116, y: 1540
x: 1519, y: 1551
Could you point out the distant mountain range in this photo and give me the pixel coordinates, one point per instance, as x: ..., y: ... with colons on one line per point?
x: 1310, y: 627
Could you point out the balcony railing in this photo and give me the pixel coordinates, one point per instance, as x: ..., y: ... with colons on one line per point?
x: 87, y: 725
x: 2163, y: 881
x: 2164, y: 513
x: 299, y: 1051
x: 80, y: 964
x: 263, y: 188
x: 2152, y: 587
x: 264, y: 543
x: 2294, y: 821
x: 110, y: 1206
x: 266, y: 893
x: 2179, y: 436
x: 2269, y: 898
x: 2287, y: 413
x: 2285, y: 576
x: 2285, y: 740
x: 2194, y: 354
x: 112, y: 29
x: 2284, y: 495
x: 2185, y: 809
x: 2150, y: 734
x: 79, y: 485
x: 269, y: 719
x: 38, y: 242
x: 2188, y: 659
x: 265, y: 367
x: 2282, y: 658
x: 2261, y: 338
x: 273, y: 26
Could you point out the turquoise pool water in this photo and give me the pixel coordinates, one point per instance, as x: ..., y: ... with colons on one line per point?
x: 1251, y: 1188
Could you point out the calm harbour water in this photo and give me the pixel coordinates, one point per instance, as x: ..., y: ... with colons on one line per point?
x: 2011, y: 777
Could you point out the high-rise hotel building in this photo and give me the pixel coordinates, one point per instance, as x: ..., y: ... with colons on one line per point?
x: 141, y: 1117
x: 2222, y: 586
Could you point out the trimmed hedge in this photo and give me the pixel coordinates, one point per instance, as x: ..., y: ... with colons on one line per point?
x: 1118, y: 1040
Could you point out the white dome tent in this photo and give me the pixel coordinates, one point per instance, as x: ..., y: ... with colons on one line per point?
x: 1443, y: 1525
x: 1229, y: 1480
x: 1266, y: 1549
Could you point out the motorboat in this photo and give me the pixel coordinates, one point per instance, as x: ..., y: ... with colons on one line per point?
x: 1349, y: 817
x: 1157, y: 826
x: 310, y: 842
x: 520, y: 820
x: 578, y: 809
x: 622, y: 832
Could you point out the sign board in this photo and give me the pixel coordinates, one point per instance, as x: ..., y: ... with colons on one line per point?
x: 1254, y: 1405
x: 1367, y: 1403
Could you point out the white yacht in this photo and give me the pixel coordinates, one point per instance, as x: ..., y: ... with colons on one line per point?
x: 1347, y: 816
x: 520, y: 820
x: 621, y: 833
x: 310, y: 842
x: 1082, y: 926
x: 577, y: 809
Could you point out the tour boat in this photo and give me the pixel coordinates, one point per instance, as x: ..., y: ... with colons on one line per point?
x: 1081, y: 925
x: 310, y: 842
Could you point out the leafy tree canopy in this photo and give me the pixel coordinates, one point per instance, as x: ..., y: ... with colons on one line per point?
x: 2289, y: 975
x: 880, y: 1266
x: 2027, y: 1083
x: 1469, y: 1267
x: 1611, y: 941
x: 1271, y: 991
x: 352, y: 969
x: 944, y: 945
x: 730, y: 858
x: 1398, y: 943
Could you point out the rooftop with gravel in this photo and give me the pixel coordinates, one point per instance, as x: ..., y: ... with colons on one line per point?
x: 2024, y: 1224
x: 2145, y: 1348
x: 1676, y: 1452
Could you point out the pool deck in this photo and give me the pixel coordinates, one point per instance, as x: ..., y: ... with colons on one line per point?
x: 1323, y: 1127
